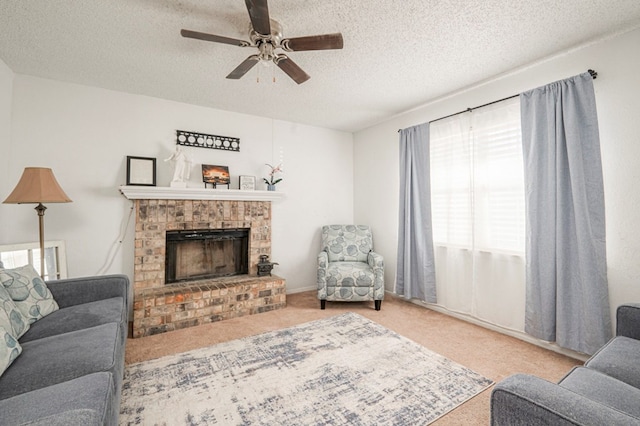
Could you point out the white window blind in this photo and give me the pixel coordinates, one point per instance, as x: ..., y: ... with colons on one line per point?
x: 477, y: 201
x: 477, y: 179
x: 451, y: 181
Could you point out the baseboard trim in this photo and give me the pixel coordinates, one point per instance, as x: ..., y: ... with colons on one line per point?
x: 301, y: 290
x: 512, y: 333
x: 476, y: 321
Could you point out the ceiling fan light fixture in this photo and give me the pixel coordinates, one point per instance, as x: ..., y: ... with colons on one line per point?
x: 266, y: 35
x: 266, y: 52
x: 266, y: 69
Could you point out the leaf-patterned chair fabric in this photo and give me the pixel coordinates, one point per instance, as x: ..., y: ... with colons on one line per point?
x: 348, y: 269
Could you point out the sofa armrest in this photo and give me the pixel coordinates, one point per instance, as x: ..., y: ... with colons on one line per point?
x: 628, y: 320
x: 75, y: 291
x: 522, y: 399
x: 323, y: 260
x: 376, y: 262
x: 323, y: 263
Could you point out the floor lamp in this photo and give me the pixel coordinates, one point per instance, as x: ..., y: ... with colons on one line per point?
x: 38, y: 185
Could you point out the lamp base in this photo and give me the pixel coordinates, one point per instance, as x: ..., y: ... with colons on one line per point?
x: 40, y: 208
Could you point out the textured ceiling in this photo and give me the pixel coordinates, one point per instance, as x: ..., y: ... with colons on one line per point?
x: 397, y: 54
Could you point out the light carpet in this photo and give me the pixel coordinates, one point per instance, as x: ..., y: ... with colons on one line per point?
x: 342, y: 370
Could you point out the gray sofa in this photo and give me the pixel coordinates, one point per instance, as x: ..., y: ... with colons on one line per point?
x: 71, y: 366
x: 605, y: 391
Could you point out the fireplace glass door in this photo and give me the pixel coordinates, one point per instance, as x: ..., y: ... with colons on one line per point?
x: 203, y: 254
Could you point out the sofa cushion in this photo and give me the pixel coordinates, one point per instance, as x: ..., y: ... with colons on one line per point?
x: 56, y: 359
x: 604, y: 389
x: 615, y: 359
x: 82, y: 401
x: 10, y: 316
x: 349, y: 274
x: 28, y: 291
x: 9, y: 349
x: 78, y: 317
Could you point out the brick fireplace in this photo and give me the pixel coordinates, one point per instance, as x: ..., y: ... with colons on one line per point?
x: 160, y: 307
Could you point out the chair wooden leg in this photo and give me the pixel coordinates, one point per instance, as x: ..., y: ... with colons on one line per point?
x: 378, y: 303
x: 323, y: 304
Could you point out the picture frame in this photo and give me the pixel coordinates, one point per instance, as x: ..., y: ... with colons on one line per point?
x: 247, y: 183
x: 141, y: 171
x: 215, y: 175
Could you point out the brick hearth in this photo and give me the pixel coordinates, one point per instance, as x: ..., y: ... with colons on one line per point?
x: 158, y: 307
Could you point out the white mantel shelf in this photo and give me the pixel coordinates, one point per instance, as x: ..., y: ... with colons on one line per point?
x: 168, y: 193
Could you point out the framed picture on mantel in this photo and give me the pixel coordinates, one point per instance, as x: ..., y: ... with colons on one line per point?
x: 215, y: 175
x: 141, y: 171
x: 247, y: 183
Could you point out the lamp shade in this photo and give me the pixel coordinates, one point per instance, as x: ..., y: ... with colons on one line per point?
x: 37, y: 185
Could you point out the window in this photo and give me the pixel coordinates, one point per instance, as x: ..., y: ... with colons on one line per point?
x: 478, y: 213
x: 16, y: 255
x: 477, y: 179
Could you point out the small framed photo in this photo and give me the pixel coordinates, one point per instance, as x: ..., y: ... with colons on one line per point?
x: 215, y: 175
x: 141, y: 171
x: 248, y: 183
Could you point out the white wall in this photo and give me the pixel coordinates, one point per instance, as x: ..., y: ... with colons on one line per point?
x: 319, y: 166
x: 617, y: 61
x: 6, y: 94
x: 85, y: 133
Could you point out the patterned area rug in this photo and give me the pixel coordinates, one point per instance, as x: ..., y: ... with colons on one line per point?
x: 343, y: 370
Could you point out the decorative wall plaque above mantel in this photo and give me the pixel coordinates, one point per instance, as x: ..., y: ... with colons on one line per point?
x: 204, y: 140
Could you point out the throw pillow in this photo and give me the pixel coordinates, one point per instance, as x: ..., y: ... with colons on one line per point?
x: 29, y: 292
x: 9, y: 349
x: 10, y: 316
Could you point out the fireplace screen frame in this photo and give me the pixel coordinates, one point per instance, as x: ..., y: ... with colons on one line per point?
x: 237, y: 236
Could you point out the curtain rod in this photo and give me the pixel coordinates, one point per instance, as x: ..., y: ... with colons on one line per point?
x: 592, y: 72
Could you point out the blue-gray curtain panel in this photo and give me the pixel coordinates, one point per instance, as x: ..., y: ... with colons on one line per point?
x: 415, y: 276
x: 567, y: 291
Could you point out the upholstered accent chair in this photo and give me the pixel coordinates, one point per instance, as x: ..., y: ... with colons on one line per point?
x: 348, y: 269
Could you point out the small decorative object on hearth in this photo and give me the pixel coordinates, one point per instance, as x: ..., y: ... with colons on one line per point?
x: 271, y: 181
x: 203, y: 140
x: 264, y: 266
x: 215, y: 175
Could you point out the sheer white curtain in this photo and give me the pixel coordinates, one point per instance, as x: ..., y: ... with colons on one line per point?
x: 477, y: 193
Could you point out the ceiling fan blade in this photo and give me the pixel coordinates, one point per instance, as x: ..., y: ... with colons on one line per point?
x: 214, y: 38
x: 291, y: 69
x: 259, y: 14
x: 318, y: 42
x: 244, y: 67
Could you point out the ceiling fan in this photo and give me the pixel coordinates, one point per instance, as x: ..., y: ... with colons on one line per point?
x: 266, y: 34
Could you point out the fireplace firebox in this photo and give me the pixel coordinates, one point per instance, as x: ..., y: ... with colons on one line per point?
x: 208, y: 253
